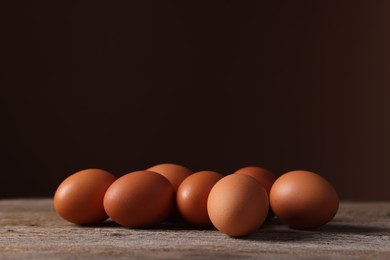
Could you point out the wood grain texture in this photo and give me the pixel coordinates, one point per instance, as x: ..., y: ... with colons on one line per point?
x: 30, y: 229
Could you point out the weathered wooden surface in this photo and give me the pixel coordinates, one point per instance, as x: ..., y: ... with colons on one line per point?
x: 30, y: 229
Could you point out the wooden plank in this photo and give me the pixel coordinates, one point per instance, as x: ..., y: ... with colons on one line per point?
x: 30, y: 229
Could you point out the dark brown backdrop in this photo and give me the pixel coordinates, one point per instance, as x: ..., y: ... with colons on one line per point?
x: 123, y: 85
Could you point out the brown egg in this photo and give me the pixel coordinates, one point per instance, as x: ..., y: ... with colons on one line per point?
x: 173, y: 172
x: 139, y: 199
x: 79, y: 198
x: 237, y: 205
x: 192, y: 196
x: 303, y: 199
x: 263, y: 176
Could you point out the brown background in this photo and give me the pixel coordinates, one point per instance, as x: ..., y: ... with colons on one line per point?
x: 123, y: 85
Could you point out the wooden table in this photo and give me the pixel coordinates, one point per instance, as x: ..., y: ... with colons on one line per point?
x: 30, y: 229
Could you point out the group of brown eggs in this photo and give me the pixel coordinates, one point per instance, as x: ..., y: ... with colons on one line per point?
x: 236, y: 204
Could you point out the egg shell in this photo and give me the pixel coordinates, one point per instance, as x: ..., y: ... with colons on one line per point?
x: 173, y: 172
x: 262, y: 175
x: 139, y: 199
x: 237, y: 205
x: 79, y: 198
x: 192, y: 196
x: 303, y: 199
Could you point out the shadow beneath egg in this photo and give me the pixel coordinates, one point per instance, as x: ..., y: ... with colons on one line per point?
x: 105, y: 224
x: 181, y: 226
x: 164, y: 226
x: 273, y: 221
